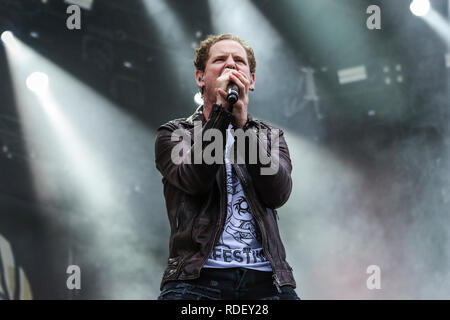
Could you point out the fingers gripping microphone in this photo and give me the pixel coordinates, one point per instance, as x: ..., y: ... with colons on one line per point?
x: 233, y: 93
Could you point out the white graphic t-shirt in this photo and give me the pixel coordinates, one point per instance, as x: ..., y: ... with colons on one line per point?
x: 240, y: 242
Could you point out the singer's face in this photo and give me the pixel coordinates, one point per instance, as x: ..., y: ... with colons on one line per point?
x: 223, y: 55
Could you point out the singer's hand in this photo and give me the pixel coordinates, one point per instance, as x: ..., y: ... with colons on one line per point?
x: 221, y: 87
x: 240, y: 107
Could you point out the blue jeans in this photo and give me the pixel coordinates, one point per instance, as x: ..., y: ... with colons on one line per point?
x: 228, y: 284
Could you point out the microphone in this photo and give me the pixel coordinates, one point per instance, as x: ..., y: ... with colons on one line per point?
x: 233, y: 93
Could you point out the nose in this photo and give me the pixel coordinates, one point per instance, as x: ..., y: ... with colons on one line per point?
x: 230, y: 63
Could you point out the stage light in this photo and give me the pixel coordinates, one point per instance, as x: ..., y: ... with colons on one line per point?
x: 10, y: 41
x: 128, y: 64
x: 7, y: 37
x: 198, y: 98
x: 37, y: 82
x: 352, y: 74
x: 34, y: 34
x: 420, y: 7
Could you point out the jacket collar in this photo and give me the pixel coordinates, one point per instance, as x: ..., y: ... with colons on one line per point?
x: 198, y: 116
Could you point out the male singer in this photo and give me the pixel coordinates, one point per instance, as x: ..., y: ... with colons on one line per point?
x: 224, y: 241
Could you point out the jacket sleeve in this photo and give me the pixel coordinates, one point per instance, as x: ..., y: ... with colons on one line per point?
x: 272, y: 180
x: 192, y: 178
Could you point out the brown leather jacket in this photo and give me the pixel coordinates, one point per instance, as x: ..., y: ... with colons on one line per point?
x: 196, y: 199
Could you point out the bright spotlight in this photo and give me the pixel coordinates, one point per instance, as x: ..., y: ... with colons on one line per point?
x: 37, y: 82
x: 10, y: 41
x: 7, y: 37
x: 420, y: 7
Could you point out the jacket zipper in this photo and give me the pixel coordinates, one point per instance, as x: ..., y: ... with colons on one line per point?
x: 276, y: 281
x: 222, y: 211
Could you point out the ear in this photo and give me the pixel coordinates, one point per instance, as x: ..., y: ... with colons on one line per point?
x: 252, y: 82
x: 199, y: 78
